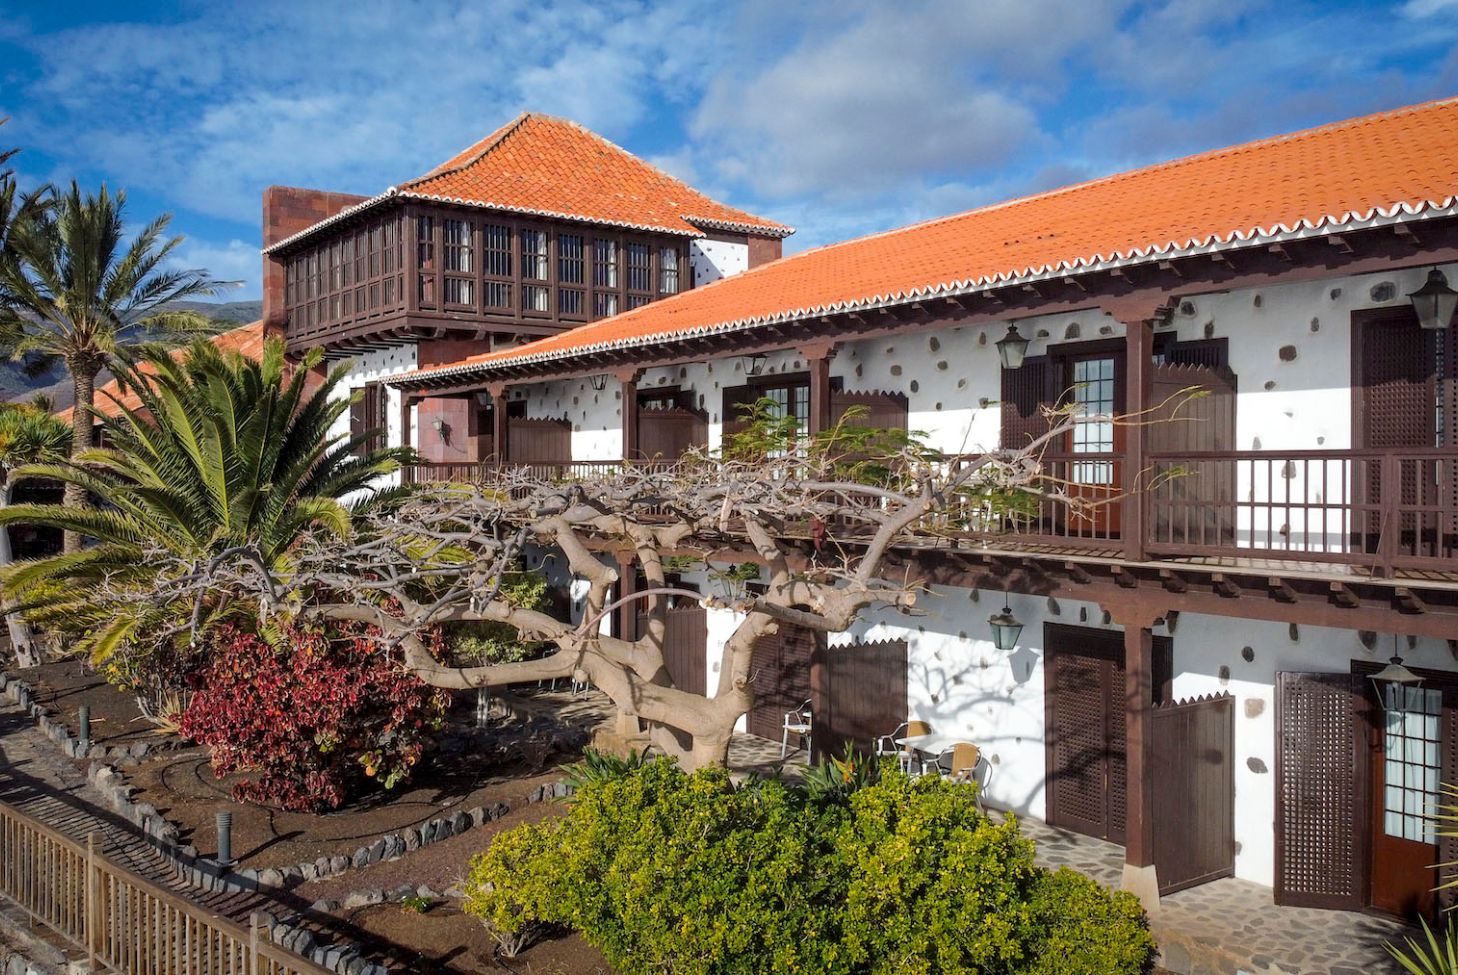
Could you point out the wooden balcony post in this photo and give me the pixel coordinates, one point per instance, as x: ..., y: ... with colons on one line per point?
x: 628, y: 384
x: 627, y: 586
x: 499, y: 427
x: 817, y: 358
x: 1137, y: 312
x: 1140, y: 873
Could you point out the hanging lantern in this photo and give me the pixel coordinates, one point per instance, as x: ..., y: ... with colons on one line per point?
x: 598, y: 382
x: 1394, y: 677
x: 1434, y: 302
x: 1012, y: 348
x: 1006, y: 628
x: 753, y: 364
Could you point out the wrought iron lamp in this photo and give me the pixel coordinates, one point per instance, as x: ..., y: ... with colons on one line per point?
x: 598, y: 382
x: 442, y: 429
x: 753, y: 364
x: 1434, y: 302
x: 1395, y: 674
x: 1012, y: 348
x: 1006, y: 628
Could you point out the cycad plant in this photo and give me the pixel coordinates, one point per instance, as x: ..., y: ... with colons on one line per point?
x: 77, y: 290
x: 222, y: 453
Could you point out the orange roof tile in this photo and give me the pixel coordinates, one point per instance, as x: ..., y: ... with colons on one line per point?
x: 553, y: 167
x: 247, y: 339
x: 1382, y: 168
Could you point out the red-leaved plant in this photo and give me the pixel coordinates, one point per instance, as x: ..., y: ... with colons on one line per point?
x: 314, y: 718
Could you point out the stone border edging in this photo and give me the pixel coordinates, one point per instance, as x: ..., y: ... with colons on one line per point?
x: 23, y: 695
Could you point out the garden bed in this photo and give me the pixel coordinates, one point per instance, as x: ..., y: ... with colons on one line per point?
x: 445, y: 940
x: 63, y: 686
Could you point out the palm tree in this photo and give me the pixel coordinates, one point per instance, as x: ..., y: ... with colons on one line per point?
x: 29, y: 434
x: 223, y: 452
x: 16, y: 209
x: 80, y: 293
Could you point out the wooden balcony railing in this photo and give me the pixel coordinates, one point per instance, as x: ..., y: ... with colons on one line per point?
x: 1385, y: 511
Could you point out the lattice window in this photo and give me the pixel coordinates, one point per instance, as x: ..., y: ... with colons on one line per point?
x: 604, y: 304
x: 496, y: 251
x: 534, y: 265
x: 1410, y: 760
x: 571, y: 271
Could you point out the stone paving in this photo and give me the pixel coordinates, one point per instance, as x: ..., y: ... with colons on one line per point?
x: 1230, y: 926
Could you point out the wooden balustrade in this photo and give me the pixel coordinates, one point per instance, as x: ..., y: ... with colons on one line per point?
x: 1386, y: 511
x: 123, y: 922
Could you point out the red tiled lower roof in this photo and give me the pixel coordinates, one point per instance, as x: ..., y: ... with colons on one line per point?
x: 247, y: 339
x: 1381, y: 168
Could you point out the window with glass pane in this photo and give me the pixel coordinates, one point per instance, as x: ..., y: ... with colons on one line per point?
x: 496, y: 244
x: 393, y: 251
x: 534, y: 298
x: 534, y: 255
x: 498, y: 294
x: 460, y: 291
x: 1410, y: 760
x: 377, y: 243
x: 1093, y: 390
x: 456, y: 239
x: 604, y: 263
x: 604, y: 304
x: 640, y: 267
x: 668, y: 270
x: 571, y: 259
x: 638, y: 301
x: 791, y: 401
x: 425, y: 241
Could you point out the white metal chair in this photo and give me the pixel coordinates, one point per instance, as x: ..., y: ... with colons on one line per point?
x: 797, y: 722
x: 907, y: 758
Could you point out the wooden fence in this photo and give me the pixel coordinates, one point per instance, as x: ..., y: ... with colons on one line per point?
x: 1194, y: 803
x: 125, y: 923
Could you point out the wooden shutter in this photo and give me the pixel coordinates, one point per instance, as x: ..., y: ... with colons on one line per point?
x: 883, y: 411
x: 669, y: 433
x: 685, y: 646
x: 1320, y: 829
x: 1024, y: 392
x: 1199, y: 507
x: 732, y: 415
x: 781, y: 669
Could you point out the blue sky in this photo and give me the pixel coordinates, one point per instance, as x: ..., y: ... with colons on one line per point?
x: 840, y: 117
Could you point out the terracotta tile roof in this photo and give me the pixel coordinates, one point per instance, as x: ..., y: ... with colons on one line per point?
x: 547, y: 166
x: 1384, y: 168
x: 247, y: 339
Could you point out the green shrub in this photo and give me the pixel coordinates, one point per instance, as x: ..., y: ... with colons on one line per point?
x: 664, y: 871
x: 510, y: 891
x: 598, y: 767
x: 1079, y: 928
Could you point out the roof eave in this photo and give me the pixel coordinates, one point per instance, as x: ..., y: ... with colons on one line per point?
x: 1349, y: 222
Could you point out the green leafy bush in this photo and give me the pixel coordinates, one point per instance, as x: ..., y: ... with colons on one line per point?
x: 666, y: 871
x: 1083, y: 929
x: 478, y: 644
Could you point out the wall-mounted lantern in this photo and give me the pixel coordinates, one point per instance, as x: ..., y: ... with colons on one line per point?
x: 1434, y: 302
x: 1012, y: 348
x: 598, y: 382
x: 1006, y: 628
x: 442, y: 429
x: 1394, y: 677
x: 753, y: 364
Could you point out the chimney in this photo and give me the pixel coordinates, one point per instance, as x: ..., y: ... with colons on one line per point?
x: 286, y: 211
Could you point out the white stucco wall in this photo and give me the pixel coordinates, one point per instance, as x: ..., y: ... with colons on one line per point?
x: 377, y: 367
x: 596, y: 415
x: 711, y: 260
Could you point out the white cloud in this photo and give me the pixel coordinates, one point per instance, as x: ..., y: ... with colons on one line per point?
x: 1419, y: 9
x: 235, y: 262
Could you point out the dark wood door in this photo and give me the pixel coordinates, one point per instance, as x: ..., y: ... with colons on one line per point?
x: 1320, y: 826
x: 1406, y: 764
x: 858, y: 694
x: 685, y: 646
x: 781, y: 673
x: 1085, y: 714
